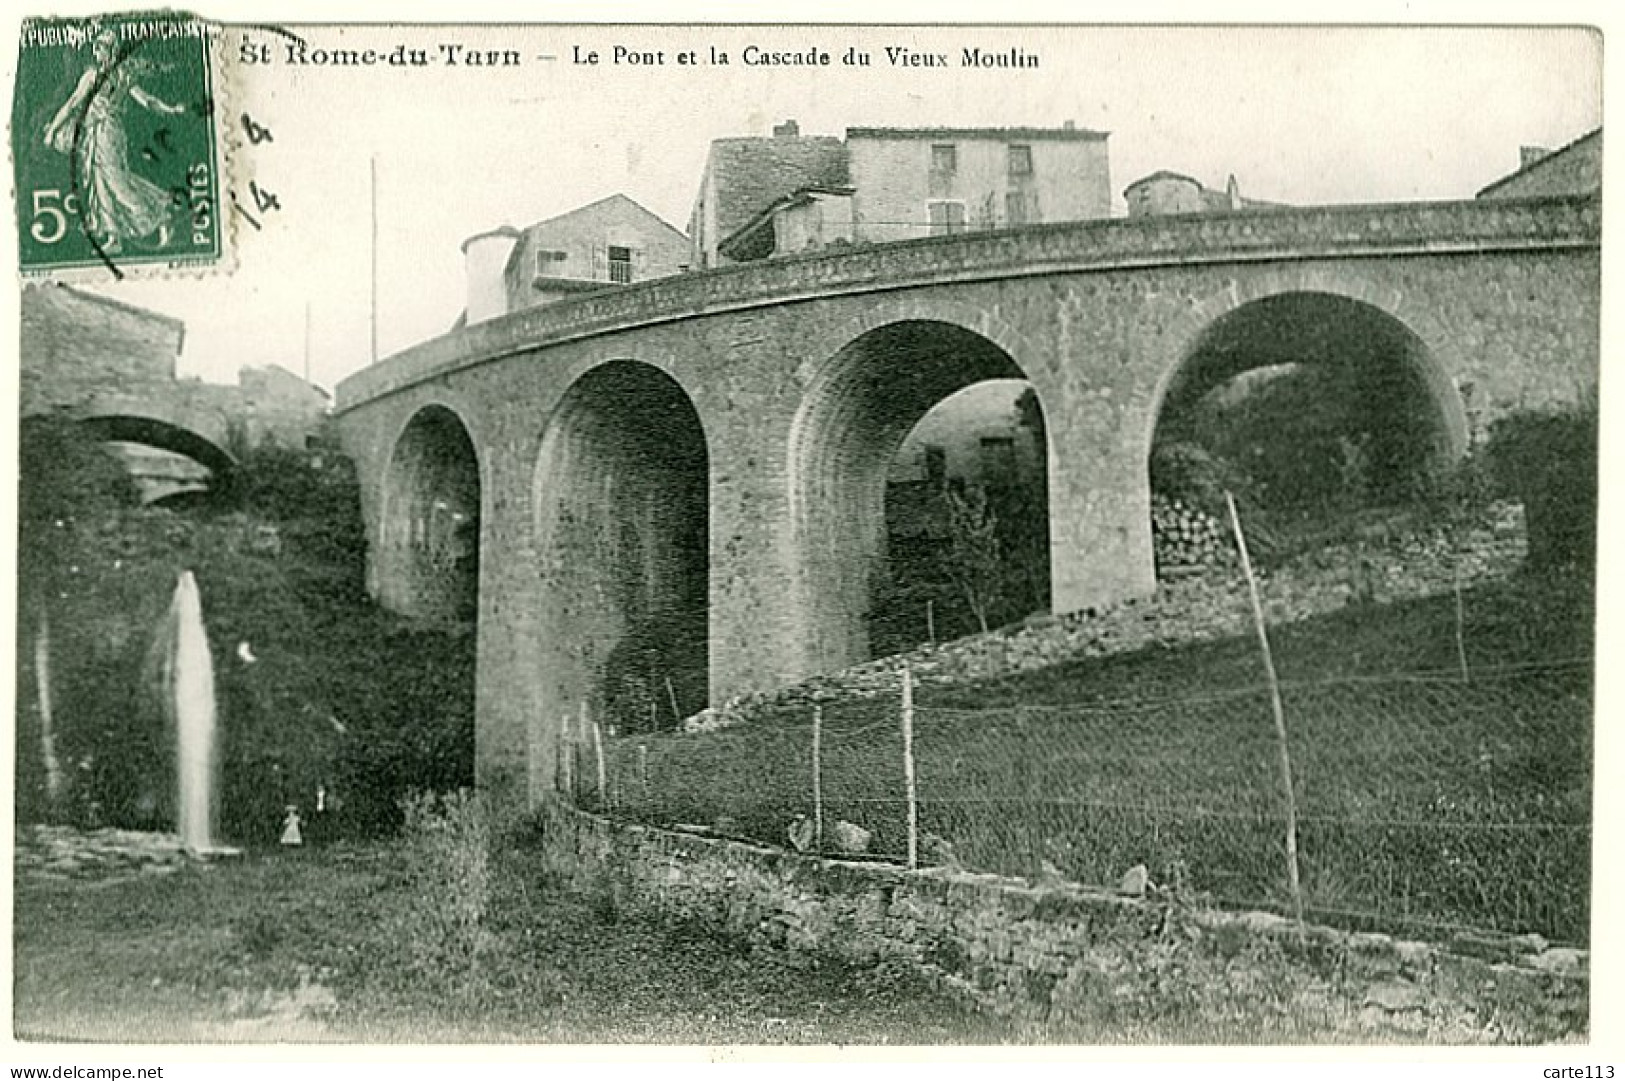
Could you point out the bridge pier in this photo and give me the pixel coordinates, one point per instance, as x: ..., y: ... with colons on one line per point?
x: 804, y: 374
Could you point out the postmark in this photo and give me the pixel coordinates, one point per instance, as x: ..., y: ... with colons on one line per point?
x: 118, y: 168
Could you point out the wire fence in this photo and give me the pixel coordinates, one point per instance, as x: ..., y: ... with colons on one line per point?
x: 1421, y: 799
x: 1416, y: 798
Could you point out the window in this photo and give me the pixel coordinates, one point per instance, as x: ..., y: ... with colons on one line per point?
x: 946, y: 217
x: 998, y: 454
x: 1020, y: 158
x: 620, y: 265
x: 1015, y: 208
x: 545, y: 258
x: 944, y: 158
x: 936, y: 465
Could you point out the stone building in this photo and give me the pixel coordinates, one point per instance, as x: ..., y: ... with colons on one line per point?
x: 614, y: 241
x: 778, y: 195
x: 1165, y: 192
x: 77, y: 346
x: 746, y: 176
x: 913, y: 182
x: 1575, y: 169
x: 112, y: 367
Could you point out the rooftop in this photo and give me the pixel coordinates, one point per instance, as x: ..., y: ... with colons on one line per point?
x: 752, y: 172
x: 1544, y: 161
x: 1067, y: 131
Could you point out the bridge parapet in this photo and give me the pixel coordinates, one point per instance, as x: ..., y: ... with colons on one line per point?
x: 1243, y: 236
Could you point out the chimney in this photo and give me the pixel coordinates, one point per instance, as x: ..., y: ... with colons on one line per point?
x: 787, y: 130
x: 485, y: 259
x: 1068, y: 125
x: 1528, y: 155
x: 1232, y: 192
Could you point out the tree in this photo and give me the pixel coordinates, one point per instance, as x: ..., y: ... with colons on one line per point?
x: 973, y: 560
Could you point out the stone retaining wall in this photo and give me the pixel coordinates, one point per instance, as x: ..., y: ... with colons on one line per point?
x: 1396, y: 562
x: 1083, y: 965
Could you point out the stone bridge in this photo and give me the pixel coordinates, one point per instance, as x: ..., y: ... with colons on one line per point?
x: 709, y: 451
x: 186, y: 420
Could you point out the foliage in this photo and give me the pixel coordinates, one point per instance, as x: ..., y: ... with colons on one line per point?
x: 1548, y: 461
x: 1020, y: 511
x: 64, y: 474
x: 1305, y: 436
x: 998, y: 545
x: 315, y: 686
x: 407, y: 701
x: 1193, y: 474
x: 974, y: 557
x: 660, y: 658
x: 447, y: 844
x: 218, y: 954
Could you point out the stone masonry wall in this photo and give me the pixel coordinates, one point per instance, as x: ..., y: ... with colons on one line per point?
x: 86, y: 355
x: 1077, y: 964
x: 1099, y: 317
x: 75, y: 347
x: 1394, y: 564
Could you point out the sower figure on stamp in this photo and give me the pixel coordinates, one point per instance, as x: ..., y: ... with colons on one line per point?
x: 118, y: 204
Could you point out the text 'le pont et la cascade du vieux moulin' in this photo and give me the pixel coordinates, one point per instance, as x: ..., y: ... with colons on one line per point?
x: 451, y: 54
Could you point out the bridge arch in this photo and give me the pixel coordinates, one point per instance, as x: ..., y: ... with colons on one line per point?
x: 620, y: 497
x: 1428, y: 350
x: 429, y: 522
x: 164, y: 433
x: 855, y: 414
x: 1392, y: 389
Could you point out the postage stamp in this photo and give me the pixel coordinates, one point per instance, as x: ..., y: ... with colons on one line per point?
x: 113, y: 142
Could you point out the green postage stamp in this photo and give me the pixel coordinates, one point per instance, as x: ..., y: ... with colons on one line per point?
x: 113, y: 141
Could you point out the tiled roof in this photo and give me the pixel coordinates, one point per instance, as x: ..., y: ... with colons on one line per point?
x: 607, y: 201
x: 1024, y: 134
x: 1162, y: 174
x: 751, y: 173
x: 170, y: 321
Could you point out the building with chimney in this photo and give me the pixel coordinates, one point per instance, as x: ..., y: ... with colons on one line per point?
x: 1166, y: 192
x: 614, y: 241
x: 787, y: 193
x: 1575, y: 169
x: 746, y: 178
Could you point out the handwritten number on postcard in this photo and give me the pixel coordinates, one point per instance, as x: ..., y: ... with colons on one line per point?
x: 257, y: 133
x: 262, y: 198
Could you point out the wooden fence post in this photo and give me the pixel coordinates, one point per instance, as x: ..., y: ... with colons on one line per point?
x: 566, y: 759
x: 818, y: 778
x: 598, y: 753
x: 676, y: 714
x: 1461, y: 636
x: 1279, y: 715
x: 908, y: 769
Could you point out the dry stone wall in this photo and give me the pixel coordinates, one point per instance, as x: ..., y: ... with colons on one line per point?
x: 1073, y: 963
x: 1391, y: 564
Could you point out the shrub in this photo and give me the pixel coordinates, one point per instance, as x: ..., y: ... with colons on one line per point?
x: 974, y: 557
x: 1548, y: 461
x: 447, y: 843
x: 1191, y: 474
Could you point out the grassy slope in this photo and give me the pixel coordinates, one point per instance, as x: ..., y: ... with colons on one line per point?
x: 1422, y: 799
x: 214, y: 954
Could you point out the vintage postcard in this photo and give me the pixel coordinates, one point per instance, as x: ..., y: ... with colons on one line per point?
x: 558, y: 534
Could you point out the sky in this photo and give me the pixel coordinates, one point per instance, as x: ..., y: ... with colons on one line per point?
x: 1299, y: 115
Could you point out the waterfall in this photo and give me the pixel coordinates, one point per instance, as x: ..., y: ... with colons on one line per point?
x: 47, y: 733
x: 189, y: 697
